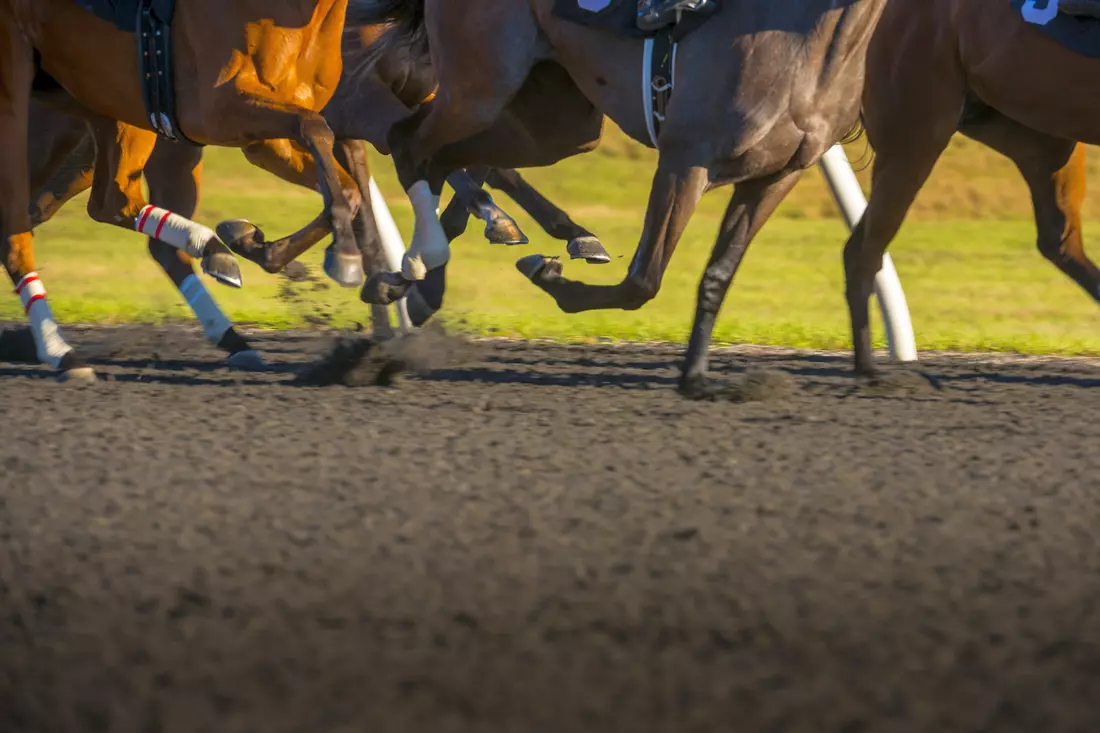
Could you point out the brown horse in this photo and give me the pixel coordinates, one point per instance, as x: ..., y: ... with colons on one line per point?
x: 937, y: 66
x: 246, y: 70
x: 64, y: 163
x: 765, y: 88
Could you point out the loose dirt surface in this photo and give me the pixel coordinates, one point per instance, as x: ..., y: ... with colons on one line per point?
x: 537, y: 538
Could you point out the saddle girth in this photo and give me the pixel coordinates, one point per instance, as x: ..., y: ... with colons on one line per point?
x: 154, y: 39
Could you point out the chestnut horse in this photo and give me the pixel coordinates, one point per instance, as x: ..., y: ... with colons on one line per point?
x: 64, y: 154
x: 246, y: 70
x: 763, y: 90
x: 931, y: 59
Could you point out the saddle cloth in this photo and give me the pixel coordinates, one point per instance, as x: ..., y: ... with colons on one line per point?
x: 1080, y: 34
x: 620, y: 17
x: 123, y: 14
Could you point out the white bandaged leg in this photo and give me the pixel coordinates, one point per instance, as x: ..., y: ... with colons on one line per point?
x: 173, y: 229
x: 50, y: 346
x: 214, y: 322
x: 430, y: 248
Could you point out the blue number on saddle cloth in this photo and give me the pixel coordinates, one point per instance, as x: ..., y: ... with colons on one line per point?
x: 1076, y: 33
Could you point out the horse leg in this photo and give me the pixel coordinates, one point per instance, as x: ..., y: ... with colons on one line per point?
x: 16, y: 240
x: 475, y: 85
x: 581, y: 243
x: 678, y: 186
x: 292, y: 164
x: 1055, y: 172
x: 752, y: 203
x: 354, y: 155
x: 174, y: 175
x: 911, y: 113
x: 343, y: 261
x: 61, y: 158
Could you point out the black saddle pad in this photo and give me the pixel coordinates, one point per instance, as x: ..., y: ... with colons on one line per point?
x: 123, y: 13
x: 620, y: 18
x: 1078, y: 34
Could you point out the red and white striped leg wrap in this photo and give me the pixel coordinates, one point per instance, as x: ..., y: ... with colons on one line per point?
x: 173, y: 229
x: 47, y: 337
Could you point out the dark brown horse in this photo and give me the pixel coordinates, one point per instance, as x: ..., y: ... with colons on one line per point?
x: 975, y: 66
x: 765, y: 88
x: 246, y: 70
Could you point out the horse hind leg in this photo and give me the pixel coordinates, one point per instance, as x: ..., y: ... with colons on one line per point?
x: 174, y: 175
x: 752, y: 203
x: 1054, y: 169
x: 16, y: 240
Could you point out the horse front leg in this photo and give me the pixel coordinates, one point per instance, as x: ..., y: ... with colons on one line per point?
x: 16, y: 240
x: 678, y: 186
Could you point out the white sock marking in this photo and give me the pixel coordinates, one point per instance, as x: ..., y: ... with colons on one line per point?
x: 429, y: 248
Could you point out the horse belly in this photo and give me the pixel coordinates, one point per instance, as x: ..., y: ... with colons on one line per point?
x: 1026, y: 75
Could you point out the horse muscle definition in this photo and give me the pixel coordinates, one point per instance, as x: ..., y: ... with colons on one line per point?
x: 766, y: 89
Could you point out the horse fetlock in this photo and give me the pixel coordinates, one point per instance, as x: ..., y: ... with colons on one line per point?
x: 637, y: 292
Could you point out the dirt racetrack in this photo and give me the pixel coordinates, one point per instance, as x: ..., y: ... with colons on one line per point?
x: 539, y: 538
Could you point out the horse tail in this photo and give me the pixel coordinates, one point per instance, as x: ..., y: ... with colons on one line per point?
x: 406, y: 32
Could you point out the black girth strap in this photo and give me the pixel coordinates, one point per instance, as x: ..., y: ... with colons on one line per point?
x: 661, y: 77
x: 154, y: 37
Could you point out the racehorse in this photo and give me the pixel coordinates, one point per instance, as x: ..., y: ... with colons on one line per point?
x: 71, y: 154
x: 64, y: 155
x: 245, y: 70
x: 937, y: 66
x: 763, y: 90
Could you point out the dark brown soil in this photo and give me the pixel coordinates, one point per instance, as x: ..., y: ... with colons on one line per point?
x: 536, y: 538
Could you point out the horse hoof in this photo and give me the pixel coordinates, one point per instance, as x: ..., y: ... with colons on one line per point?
x: 240, y: 235
x: 72, y: 370
x: 504, y: 230
x: 248, y: 360
x: 384, y: 288
x: 345, y: 269
x: 539, y: 267
x: 218, y: 262
x: 589, y: 249
x: 425, y: 297
x: 698, y: 389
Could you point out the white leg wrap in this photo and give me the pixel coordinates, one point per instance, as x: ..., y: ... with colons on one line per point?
x: 429, y: 248
x: 214, y: 322
x: 47, y: 337
x: 173, y: 229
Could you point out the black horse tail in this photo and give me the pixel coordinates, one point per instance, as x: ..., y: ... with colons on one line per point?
x: 405, y: 35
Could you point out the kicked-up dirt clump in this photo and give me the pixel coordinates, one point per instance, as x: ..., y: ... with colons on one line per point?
x: 355, y: 361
